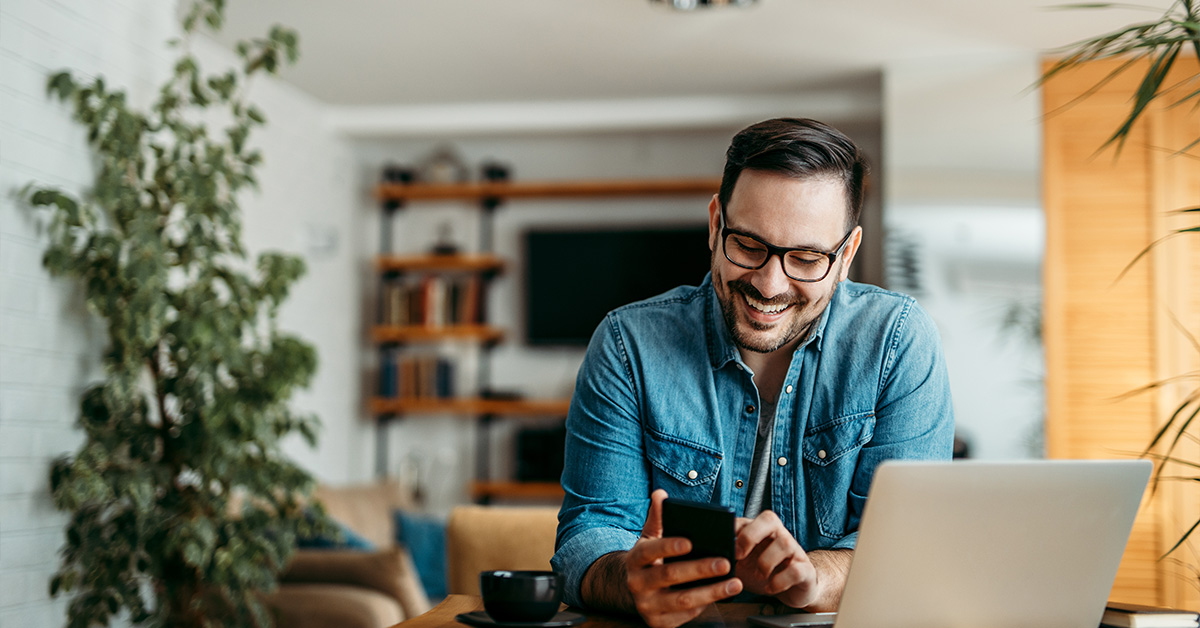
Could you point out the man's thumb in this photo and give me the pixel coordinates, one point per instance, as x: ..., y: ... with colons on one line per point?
x: 653, y: 528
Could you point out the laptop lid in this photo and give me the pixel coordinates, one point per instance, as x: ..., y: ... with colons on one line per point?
x: 991, y: 544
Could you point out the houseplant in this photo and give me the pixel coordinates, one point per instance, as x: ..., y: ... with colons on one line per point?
x: 182, y: 508
x: 1156, y: 45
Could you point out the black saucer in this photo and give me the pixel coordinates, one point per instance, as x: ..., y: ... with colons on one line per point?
x: 481, y: 619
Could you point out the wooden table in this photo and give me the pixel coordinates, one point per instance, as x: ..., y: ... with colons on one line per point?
x: 724, y: 615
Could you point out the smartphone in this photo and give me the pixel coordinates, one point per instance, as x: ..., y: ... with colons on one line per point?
x: 708, y: 526
x: 810, y: 620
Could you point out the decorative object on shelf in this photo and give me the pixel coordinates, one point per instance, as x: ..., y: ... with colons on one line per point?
x: 183, y: 508
x: 494, y: 171
x: 396, y: 173
x: 445, y: 244
x: 443, y: 165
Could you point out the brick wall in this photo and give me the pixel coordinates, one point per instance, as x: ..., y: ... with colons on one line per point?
x: 49, y: 347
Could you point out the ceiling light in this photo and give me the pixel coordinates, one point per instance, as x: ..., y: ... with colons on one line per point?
x: 691, y: 5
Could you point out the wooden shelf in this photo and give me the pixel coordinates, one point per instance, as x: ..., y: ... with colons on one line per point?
x: 465, y: 263
x: 515, y: 407
x: 548, y: 189
x: 431, y: 333
x: 531, y: 490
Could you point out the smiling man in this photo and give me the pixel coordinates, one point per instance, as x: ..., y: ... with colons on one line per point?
x: 775, y: 387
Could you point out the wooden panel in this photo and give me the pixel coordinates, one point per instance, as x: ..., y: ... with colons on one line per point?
x: 1106, y: 337
x: 1176, y: 265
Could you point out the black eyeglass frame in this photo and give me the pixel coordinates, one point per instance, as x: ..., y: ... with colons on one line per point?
x: 781, y: 251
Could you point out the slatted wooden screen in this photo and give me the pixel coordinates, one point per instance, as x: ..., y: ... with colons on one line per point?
x: 1107, y: 336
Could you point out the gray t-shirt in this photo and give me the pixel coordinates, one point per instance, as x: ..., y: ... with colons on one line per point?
x: 758, y: 497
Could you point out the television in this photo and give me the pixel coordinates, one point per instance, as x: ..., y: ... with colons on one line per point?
x: 574, y: 276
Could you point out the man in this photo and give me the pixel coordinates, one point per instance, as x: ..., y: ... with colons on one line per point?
x: 775, y: 387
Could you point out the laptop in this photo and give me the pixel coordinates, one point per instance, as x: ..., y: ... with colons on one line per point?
x: 987, y: 544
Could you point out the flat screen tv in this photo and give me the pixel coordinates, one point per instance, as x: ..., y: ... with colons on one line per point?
x: 576, y: 276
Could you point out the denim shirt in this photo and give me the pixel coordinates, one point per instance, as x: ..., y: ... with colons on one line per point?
x: 663, y: 400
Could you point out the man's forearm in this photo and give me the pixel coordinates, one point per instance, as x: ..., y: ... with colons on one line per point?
x: 605, y: 585
x: 832, y: 566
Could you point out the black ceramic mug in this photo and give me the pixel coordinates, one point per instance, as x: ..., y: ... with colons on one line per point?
x: 521, y: 596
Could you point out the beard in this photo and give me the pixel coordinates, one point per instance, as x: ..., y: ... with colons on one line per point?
x: 759, y: 337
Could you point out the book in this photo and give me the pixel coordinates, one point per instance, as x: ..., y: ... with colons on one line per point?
x: 388, y: 375
x: 1120, y: 615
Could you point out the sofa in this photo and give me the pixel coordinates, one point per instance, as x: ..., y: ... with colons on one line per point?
x: 353, y: 588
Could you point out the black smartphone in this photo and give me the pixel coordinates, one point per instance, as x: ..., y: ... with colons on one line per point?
x: 708, y: 526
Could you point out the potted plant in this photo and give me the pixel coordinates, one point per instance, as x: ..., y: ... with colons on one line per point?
x: 182, y: 507
x: 1155, y: 45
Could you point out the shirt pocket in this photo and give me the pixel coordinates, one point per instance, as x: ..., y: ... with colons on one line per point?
x: 831, y: 458
x: 684, y: 469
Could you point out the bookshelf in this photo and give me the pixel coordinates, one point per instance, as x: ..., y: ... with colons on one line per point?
x: 427, y: 333
x: 524, y: 490
x: 469, y: 324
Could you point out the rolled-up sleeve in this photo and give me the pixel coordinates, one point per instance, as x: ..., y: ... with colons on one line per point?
x: 605, y: 478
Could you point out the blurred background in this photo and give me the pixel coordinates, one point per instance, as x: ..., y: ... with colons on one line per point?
x: 940, y: 94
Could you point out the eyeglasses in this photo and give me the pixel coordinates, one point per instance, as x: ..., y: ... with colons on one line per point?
x: 799, y: 264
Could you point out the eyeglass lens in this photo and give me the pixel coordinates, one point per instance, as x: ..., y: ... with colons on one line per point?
x: 799, y: 265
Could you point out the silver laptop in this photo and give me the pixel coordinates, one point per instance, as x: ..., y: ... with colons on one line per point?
x: 988, y: 545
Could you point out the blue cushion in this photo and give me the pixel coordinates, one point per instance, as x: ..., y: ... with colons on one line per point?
x: 425, y: 538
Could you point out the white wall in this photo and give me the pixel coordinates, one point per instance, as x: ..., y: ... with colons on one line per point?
x: 963, y: 149
x: 49, y: 348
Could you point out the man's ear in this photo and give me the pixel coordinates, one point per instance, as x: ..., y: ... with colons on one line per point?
x: 714, y: 223
x: 849, y: 252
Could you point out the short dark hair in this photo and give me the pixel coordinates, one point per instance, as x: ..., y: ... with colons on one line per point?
x: 800, y: 148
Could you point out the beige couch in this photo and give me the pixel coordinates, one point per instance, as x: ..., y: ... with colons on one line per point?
x: 349, y: 588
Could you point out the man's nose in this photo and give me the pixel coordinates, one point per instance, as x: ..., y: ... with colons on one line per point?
x: 770, y: 280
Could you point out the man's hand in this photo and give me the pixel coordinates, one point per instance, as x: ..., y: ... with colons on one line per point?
x: 648, y: 579
x: 771, y: 562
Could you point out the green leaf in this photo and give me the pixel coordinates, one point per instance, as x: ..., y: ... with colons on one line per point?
x: 60, y: 84
x: 1182, y: 539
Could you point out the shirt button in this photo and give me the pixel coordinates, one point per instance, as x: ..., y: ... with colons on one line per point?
x: 740, y: 367
x: 788, y: 389
x: 750, y: 409
x: 692, y: 474
x: 821, y: 454
x: 738, y: 484
x: 782, y: 461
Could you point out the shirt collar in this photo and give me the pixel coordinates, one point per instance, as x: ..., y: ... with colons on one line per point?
x: 722, y: 350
